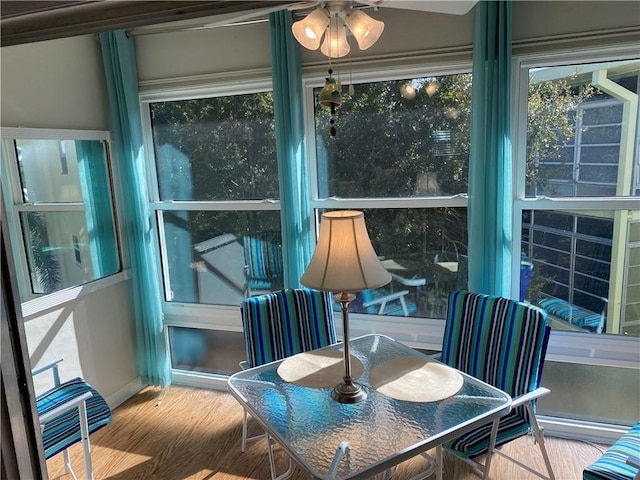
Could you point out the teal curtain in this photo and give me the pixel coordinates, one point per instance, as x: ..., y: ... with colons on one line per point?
x: 122, y: 83
x: 96, y: 197
x: 295, y: 213
x: 490, y: 211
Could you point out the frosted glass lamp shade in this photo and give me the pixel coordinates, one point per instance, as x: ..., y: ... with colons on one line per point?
x: 308, y: 31
x: 365, y: 29
x: 344, y: 259
x: 335, y: 43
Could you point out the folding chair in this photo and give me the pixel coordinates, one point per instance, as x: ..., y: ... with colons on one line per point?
x: 68, y: 413
x: 501, y: 342
x: 280, y: 324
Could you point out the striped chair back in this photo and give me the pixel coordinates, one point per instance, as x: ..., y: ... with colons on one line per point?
x: 501, y: 342
x: 283, y: 323
x: 63, y: 431
x: 263, y: 255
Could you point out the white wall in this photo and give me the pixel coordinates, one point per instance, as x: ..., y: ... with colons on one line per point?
x: 60, y: 84
x: 94, y: 334
x: 54, y: 84
x: 179, y: 54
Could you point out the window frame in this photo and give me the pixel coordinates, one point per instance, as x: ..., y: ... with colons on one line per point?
x: 34, y: 303
x: 575, y: 347
x: 193, y: 315
x: 418, y: 332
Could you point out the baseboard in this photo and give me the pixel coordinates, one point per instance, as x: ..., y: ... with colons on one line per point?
x: 602, y: 433
x: 124, y: 393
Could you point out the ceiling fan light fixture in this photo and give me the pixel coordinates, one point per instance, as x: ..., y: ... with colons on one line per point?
x: 365, y: 29
x: 335, y: 44
x: 308, y: 31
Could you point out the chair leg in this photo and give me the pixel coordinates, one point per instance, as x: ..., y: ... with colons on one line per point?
x: 439, y: 464
x: 244, y: 430
x: 538, y: 433
x: 67, y: 464
x: 84, y: 433
x: 272, y: 462
x: 490, y: 450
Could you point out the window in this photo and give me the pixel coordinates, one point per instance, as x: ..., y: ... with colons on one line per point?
x: 582, y: 154
x: 401, y: 154
x: 216, y: 182
x: 58, y: 196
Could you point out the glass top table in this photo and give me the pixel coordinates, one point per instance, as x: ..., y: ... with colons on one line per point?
x: 331, y: 440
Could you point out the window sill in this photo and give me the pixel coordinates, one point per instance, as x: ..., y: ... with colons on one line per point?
x: 46, y: 303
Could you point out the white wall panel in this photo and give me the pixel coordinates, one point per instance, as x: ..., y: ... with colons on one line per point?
x: 54, y: 84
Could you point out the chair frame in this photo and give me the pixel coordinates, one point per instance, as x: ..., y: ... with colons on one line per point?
x: 527, y: 400
x: 538, y: 432
x: 80, y: 403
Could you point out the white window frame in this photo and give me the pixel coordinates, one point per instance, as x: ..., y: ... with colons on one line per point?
x: 177, y: 314
x: 417, y: 332
x: 574, y: 347
x: 33, y: 304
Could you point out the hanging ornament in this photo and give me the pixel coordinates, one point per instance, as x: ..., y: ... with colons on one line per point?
x: 330, y: 96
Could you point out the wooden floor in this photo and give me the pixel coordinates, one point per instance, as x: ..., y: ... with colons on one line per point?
x: 195, y: 434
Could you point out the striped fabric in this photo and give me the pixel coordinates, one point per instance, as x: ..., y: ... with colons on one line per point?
x: 63, y: 431
x: 283, y: 323
x: 501, y: 342
x: 612, y: 465
x: 263, y: 255
x: 573, y: 314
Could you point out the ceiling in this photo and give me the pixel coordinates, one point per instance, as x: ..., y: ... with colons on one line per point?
x: 29, y: 21
x: 34, y: 21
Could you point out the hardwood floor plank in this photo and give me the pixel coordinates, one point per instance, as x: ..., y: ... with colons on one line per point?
x: 195, y: 434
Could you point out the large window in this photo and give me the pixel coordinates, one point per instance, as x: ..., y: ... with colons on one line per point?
x: 580, y: 210
x: 57, y: 190
x: 216, y: 183
x: 401, y: 154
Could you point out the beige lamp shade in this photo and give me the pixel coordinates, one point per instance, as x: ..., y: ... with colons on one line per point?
x: 344, y: 259
x: 308, y: 31
x: 365, y: 29
x: 335, y: 44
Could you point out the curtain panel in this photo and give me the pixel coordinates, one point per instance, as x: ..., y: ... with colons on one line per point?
x: 295, y: 211
x: 490, y: 166
x: 118, y: 55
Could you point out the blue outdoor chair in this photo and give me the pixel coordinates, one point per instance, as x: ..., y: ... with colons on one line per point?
x: 68, y: 413
x: 503, y: 343
x: 263, y: 263
x: 280, y: 324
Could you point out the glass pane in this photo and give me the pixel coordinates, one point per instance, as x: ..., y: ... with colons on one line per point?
x: 63, y: 252
x: 207, y: 351
x: 52, y: 170
x: 582, y: 131
x: 219, y: 148
x: 583, y: 274
x: 220, y: 257
x: 401, y: 138
x: 425, y: 250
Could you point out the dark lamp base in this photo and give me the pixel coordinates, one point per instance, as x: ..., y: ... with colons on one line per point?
x: 349, y: 392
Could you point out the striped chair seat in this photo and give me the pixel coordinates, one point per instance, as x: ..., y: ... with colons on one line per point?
x: 572, y: 313
x: 613, y: 465
x: 64, y: 430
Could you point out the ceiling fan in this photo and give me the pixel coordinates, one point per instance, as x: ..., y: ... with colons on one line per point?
x: 327, y: 24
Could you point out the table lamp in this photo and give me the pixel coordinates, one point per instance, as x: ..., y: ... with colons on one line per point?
x: 344, y: 261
